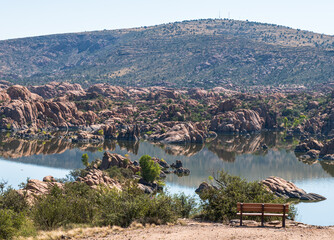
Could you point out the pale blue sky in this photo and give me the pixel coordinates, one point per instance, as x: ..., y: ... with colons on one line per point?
x: 23, y: 18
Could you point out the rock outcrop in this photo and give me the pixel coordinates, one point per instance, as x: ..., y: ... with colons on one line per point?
x: 96, y: 177
x: 129, y: 133
x: 29, y: 110
x: 229, y: 105
x: 309, y: 144
x: 203, y: 187
x: 180, y: 133
x: 112, y: 159
x: 328, y: 148
x: 36, y: 188
x: 114, y: 92
x: 57, y: 89
x: 286, y: 189
x: 86, y: 137
x: 179, y: 169
x: 241, y: 121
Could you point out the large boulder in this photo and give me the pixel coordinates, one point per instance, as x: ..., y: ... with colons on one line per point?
x: 107, y: 90
x: 180, y: 133
x: 129, y: 133
x: 35, y: 188
x: 22, y: 93
x: 286, y: 189
x: 229, y: 105
x: 93, y: 178
x: 309, y: 144
x: 203, y: 187
x: 96, y: 177
x: 241, y: 121
x: 173, y: 112
x: 113, y: 159
x: 56, y: 89
x: 328, y: 148
x: 86, y: 137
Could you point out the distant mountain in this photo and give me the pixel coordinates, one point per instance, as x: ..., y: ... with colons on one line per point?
x: 201, y: 53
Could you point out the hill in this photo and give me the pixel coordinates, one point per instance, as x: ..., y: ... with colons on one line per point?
x: 201, y: 53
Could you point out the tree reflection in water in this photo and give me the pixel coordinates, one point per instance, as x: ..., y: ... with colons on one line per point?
x: 241, y: 155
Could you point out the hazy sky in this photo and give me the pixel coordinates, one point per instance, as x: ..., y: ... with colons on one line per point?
x: 22, y: 18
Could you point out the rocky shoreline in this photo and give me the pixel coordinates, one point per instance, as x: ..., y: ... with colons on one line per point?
x: 176, y: 116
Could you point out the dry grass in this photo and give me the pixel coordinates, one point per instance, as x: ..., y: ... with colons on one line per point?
x: 82, y: 231
x: 74, y: 233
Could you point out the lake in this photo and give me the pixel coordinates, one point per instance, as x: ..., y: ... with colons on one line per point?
x: 238, y: 155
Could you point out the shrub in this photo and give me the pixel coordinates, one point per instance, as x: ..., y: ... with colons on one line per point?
x: 100, y: 132
x: 76, y: 203
x: 221, y: 204
x: 120, y: 174
x: 74, y: 174
x: 184, y: 205
x: 150, y: 170
x: 84, y: 159
x: 10, y: 199
x: 14, y: 224
x: 122, y: 208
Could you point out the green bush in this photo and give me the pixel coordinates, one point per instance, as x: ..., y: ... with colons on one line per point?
x: 12, y: 223
x: 221, y: 204
x: 184, y: 205
x: 10, y: 199
x: 121, y: 174
x: 84, y: 159
x: 76, y: 203
x: 74, y: 174
x: 150, y: 170
x: 122, y: 208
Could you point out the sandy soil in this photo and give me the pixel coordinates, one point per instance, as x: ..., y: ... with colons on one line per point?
x: 202, y: 231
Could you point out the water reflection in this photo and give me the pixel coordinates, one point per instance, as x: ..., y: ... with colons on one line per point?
x: 239, y: 155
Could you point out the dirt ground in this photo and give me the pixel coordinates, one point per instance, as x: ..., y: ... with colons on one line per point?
x: 189, y: 229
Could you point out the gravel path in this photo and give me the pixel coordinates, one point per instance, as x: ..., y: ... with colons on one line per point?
x: 202, y: 231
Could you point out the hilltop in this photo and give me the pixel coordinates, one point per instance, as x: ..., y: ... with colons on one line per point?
x: 201, y: 53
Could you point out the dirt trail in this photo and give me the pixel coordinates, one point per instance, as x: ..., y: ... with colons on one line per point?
x: 202, y: 231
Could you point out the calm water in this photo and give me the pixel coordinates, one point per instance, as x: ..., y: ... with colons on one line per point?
x: 238, y: 155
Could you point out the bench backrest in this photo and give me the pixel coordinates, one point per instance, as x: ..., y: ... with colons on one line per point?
x: 268, y: 207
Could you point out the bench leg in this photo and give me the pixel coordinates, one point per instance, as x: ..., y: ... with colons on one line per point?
x: 262, y: 217
x: 283, y: 220
x: 241, y: 210
x: 262, y: 221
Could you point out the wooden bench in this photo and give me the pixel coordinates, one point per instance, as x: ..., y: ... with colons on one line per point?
x: 263, y: 210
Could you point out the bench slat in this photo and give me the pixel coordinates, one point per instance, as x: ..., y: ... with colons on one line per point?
x: 268, y: 207
x: 276, y: 209
x: 260, y: 214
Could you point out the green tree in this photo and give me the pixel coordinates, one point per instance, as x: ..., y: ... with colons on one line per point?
x: 84, y: 159
x: 285, y: 121
x: 150, y: 170
x: 220, y: 203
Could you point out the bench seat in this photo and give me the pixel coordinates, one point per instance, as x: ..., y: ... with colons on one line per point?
x: 260, y: 214
x: 263, y: 210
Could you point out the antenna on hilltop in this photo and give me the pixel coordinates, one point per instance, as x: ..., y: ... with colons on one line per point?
x: 219, y: 15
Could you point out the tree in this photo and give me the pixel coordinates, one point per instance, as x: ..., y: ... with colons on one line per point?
x: 84, y: 159
x: 150, y: 170
x: 285, y: 121
x: 219, y: 203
